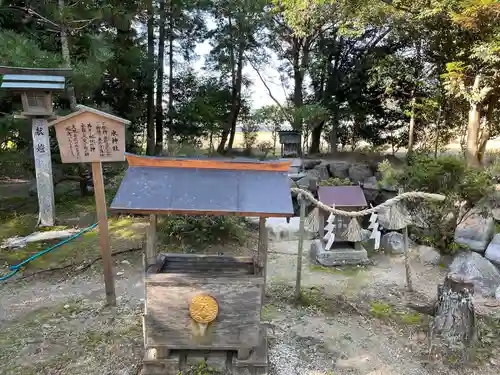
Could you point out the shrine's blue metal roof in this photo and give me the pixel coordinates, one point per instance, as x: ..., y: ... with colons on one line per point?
x: 197, y: 191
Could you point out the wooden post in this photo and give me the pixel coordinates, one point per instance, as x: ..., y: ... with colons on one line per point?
x: 302, y: 203
x: 409, y: 283
x: 43, y: 170
x: 100, y: 202
x: 151, y: 241
x: 262, y: 252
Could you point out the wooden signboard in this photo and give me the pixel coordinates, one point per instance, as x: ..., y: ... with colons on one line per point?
x: 92, y: 136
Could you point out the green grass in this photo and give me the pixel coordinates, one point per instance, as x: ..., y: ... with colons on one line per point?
x: 385, y: 311
x: 269, y: 312
x: 344, y: 270
x: 85, y: 247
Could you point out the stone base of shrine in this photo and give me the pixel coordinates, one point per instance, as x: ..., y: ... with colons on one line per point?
x: 198, y: 361
x: 341, y: 255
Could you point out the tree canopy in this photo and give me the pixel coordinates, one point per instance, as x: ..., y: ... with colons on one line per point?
x: 383, y: 73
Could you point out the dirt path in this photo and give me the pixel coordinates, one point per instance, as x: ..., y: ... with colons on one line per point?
x: 59, y: 325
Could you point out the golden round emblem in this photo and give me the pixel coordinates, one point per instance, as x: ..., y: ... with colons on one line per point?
x: 203, y: 309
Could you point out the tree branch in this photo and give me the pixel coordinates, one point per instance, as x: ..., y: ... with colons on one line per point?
x: 32, y: 12
x: 267, y: 87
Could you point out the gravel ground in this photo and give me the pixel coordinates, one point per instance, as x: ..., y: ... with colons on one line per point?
x: 58, y: 325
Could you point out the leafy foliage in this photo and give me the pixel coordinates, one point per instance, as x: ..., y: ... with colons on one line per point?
x: 465, y: 189
x: 197, y: 231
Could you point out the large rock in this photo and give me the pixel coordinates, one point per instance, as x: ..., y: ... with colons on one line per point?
x: 429, y: 255
x: 392, y: 243
x: 322, y: 170
x: 370, y: 188
x: 475, y: 232
x: 479, y: 270
x: 493, y: 250
x: 337, y: 257
x: 497, y: 293
x: 339, y: 169
x: 495, y: 212
x: 358, y: 173
x: 308, y: 183
x: 310, y: 163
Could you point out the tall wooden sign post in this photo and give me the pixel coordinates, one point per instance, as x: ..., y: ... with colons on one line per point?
x: 92, y: 136
x: 36, y: 86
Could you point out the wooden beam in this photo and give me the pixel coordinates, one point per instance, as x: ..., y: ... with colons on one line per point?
x: 151, y: 241
x: 144, y: 161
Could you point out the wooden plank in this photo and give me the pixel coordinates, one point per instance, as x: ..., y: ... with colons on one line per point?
x: 209, y: 265
x: 100, y: 202
x: 151, y: 241
x: 237, y: 326
x: 141, y: 161
x: 190, y: 280
x: 259, y: 356
x: 86, y: 137
x: 206, y: 258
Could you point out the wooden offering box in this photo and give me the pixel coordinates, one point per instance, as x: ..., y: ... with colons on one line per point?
x: 204, y: 307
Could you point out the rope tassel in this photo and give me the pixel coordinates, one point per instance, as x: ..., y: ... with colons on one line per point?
x: 354, y: 231
x: 312, y: 220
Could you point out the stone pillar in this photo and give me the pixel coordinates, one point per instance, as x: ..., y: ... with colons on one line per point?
x: 43, y: 169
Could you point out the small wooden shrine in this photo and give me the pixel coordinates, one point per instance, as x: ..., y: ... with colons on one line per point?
x: 333, y: 247
x: 290, y: 141
x: 204, y: 307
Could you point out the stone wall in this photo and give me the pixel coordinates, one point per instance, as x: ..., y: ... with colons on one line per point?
x: 308, y: 174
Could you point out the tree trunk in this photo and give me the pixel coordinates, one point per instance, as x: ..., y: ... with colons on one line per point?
x: 83, y: 170
x: 235, y: 111
x: 316, y: 138
x: 472, y: 135
x: 170, y: 107
x: 227, y: 126
x: 473, y: 127
x: 486, y: 128
x: 333, y: 132
x: 453, y: 327
x: 438, y: 123
x: 150, y: 71
x: 411, y: 130
x: 159, y: 80
x: 298, y: 79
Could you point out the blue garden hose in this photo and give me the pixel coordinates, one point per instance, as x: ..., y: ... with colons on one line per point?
x: 16, y: 267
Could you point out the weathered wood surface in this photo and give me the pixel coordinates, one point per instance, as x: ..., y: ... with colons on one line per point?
x: 43, y: 170
x: 453, y: 326
x: 168, y: 322
x: 102, y: 215
x: 151, y: 240
x: 259, y: 356
x: 262, y: 249
x: 192, y: 263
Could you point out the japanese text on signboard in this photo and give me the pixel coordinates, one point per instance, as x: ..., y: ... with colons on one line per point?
x: 91, y: 141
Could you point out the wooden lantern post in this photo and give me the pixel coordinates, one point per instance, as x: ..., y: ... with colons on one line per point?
x: 92, y: 136
x: 36, y: 86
